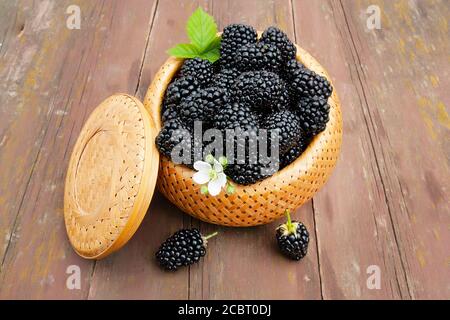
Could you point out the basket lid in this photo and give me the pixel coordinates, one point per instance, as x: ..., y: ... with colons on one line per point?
x: 111, y: 177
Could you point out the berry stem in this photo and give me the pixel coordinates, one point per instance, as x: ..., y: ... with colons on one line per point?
x: 289, y: 224
x: 211, y: 235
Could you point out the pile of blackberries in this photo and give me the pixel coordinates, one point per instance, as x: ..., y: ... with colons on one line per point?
x: 256, y: 84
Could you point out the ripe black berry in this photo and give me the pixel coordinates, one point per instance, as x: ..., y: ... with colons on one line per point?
x: 225, y: 78
x: 258, y: 56
x: 235, y: 36
x: 233, y: 115
x: 259, y: 89
x: 248, y: 173
x: 314, y: 114
x: 185, y: 247
x: 278, y: 38
x: 287, y: 125
x: 293, y: 238
x: 292, y: 154
x: 180, y: 89
x: 201, y: 70
x: 203, y: 105
x: 171, y: 134
x: 306, y: 83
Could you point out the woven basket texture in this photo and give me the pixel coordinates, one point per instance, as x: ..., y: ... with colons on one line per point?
x: 110, y: 178
x: 262, y: 202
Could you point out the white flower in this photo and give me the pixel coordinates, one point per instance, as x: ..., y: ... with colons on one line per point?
x: 211, y: 174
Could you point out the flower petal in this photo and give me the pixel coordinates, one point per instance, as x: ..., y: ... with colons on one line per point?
x: 222, y: 179
x: 217, y: 166
x: 202, y: 166
x: 214, y: 187
x: 201, y: 177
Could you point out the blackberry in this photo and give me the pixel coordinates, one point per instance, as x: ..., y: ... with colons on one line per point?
x: 248, y: 173
x: 169, y: 112
x: 203, y: 105
x: 225, y: 78
x: 185, y: 247
x: 306, y: 83
x: 234, y: 115
x: 235, y: 36
x: 292, y: 238
x: 314, y: 114
x: 287, y: 124
x: 292, y: 154
x: 278, y: 38
x: 259, y: 56
x: 259, y: 89
x: 201, y: 70
x: 180, y: 89
x: 171, y: 134
x: 291, y: 69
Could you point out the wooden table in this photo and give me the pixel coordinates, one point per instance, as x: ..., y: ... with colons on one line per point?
x: 386, y: 205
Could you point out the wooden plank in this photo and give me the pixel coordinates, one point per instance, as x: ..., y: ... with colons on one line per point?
x: 403, y: 69
x: 56, y: 77
x: 133, y: 272
x: 354, y: 228
x: 245, y: 263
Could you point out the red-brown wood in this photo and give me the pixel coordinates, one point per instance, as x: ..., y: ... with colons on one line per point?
x: 386, y: 203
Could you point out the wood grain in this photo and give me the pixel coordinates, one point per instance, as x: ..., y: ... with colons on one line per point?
x: 61, y: 76
x: 386, y: 203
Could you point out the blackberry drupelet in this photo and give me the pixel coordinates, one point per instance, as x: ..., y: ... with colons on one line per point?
x: 258, y: 56
x: 292, y: 238
x: 201, y: 70
x: 225, y: 78
x: 203, y: 105
x: 278, y: 38
x: 314, y: 114
x: 306, y: 83
x: 180, y: 89
x: 185, y: 247
x: 287, y: 124
x: 235, y: 36
x: 259, y: 89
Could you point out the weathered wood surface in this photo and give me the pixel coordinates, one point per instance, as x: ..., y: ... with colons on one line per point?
x: 385, y: 205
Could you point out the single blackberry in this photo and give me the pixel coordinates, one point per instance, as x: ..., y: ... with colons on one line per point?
x: 171, y: 134
x: 259, y: 89
x: 278, y: 38
x: 292, y: 154
x: 287, y: 125
x: 185, y: 247
x: 203, y: 105
x: 233, y: 115
x: 180, y: 89
x: 201, y: 70
x: 306, y: 83
x: 258, y: 56
x: 314, y: 114
x: 225, y: 78
x: 292, y: 238
x: 235, y: 36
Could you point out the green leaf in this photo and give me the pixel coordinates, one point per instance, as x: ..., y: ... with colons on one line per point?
x: 212, y: 52
x: 201, y: 29
x: 184, y: 50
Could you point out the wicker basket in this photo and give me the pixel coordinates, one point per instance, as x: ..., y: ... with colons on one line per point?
x: 261, y: 202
